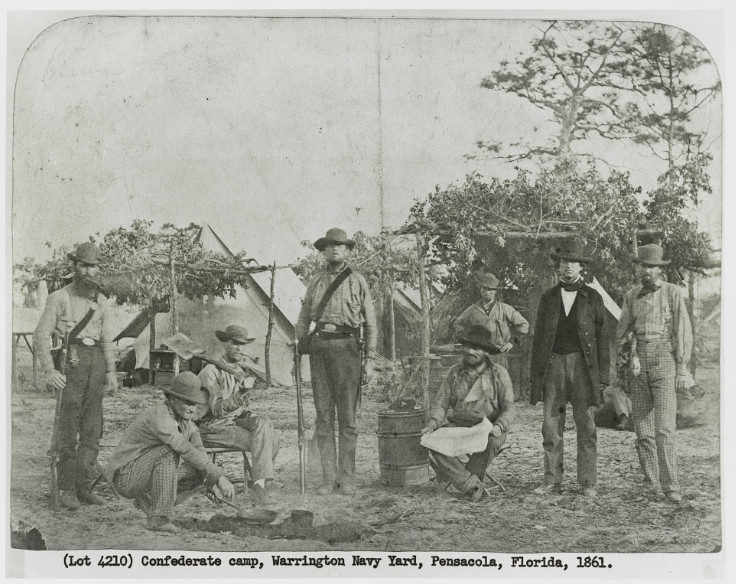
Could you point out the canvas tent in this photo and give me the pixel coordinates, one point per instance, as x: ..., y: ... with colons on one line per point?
x: 198, y: 319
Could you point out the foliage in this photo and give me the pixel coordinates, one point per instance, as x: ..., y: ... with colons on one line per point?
x: 135, y: 265
x: 675, y: 76
x: 373, y: 256
x: 602, y: 211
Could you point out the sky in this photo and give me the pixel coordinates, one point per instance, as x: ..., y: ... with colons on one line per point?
x: 272, y: 130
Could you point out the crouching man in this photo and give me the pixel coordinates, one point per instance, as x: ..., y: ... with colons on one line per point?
x: 145, y: 465
x: 473, y: 390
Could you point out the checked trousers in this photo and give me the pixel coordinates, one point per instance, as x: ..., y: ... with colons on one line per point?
x: 154, y: 478
x: 654, y: 412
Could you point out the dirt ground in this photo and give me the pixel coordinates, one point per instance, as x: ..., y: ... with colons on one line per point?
x: 623, y: 518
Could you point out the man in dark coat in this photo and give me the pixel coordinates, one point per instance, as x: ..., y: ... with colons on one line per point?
x: 570, y: 363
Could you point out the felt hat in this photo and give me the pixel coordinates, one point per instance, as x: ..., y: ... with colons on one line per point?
x: 651, y: 255
x: 477, y: 335
x: 570, y: 250
x: 335, y: 236
x: 236, y: 333
x: 488, y: 280
x: 86, y: 252
x: 188, y: 387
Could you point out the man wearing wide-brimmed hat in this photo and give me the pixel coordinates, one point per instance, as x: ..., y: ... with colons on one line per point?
x: 226, y: 420
x: 145, y: 464
x: 570, y: 363
x: 503, y: 321
x: 339, y: 302
x: 656, y: 313
x: 81, y: 310
x: 474, y: 389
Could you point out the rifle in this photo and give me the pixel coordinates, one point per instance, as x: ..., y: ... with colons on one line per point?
x: 302, y: 441
x: 361, y: 347
x: 54, y: 449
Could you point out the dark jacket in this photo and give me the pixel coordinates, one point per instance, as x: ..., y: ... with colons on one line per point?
x: 593, y: 338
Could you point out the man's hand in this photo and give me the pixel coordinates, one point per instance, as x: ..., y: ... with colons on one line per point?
x: 602, y: 385
x: 223, y: 488
x: 506, y: 348
x: 681, y: 381
x: 367, y: 371
x: 111, y: 382
x: 496, y: 430
x: 430, y: 427
x: 56, y: 380
x: 246, y: 384
x: 635, y: 366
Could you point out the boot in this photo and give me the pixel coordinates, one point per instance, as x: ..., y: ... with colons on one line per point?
x: 162, y: 524
x: 88, y: 497
x: 260, y: 495
x: 69, y: 500
x: 326, y: 488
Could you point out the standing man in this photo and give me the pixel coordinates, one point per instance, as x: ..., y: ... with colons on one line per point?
x: 475, y: 387
x: 570, y: 363
x: 503, y: 321
x: 145, y: 464
x: 225, y: 421
x: 655, y: 311
x: 80, y: 310
x: 339, y: 303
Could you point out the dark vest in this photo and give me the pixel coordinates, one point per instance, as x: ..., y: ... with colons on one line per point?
x: 567, y: 339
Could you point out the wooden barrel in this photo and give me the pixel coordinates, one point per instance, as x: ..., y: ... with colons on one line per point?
x: 403, y: 460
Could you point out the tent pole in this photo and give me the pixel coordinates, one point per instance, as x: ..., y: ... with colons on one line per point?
x: 267, y: 348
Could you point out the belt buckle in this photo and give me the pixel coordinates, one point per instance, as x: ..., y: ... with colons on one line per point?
x: 87, y: 342
x: 329, y: 327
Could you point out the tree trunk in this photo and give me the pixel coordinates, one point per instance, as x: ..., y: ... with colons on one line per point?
x: 391, y: 316
x: 151, y: 344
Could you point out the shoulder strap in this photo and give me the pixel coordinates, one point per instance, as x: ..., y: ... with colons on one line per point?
x: 330, y: 291
x: 82, y: 323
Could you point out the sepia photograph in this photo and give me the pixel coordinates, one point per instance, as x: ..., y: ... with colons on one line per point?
x: 348, y: 287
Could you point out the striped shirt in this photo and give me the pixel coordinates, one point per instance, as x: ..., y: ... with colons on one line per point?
x: 661, y: 314
x: 225, y: 401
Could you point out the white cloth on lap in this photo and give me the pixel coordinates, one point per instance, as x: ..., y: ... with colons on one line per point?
x: 452, y: 441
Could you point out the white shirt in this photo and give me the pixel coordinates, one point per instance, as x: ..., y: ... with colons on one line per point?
x: 568, y: 299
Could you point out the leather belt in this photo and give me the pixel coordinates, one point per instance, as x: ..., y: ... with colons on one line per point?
x: 327, y: 327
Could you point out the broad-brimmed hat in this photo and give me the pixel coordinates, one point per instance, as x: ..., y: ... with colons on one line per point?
x: 234, y: 332
x: 487, y: 280
x: 572, y: 251
x: 86, y: 252
x: 335, y: 236
x: 477, y: 335
x: 186, y: 386
x: 650, y: 255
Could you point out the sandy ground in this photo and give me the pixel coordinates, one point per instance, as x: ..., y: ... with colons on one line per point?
x: 623, y: 518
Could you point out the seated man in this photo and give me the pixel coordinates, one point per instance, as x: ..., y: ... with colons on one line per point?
x: 225, y: 420
x: 478, y: 388
x: 144, y: 465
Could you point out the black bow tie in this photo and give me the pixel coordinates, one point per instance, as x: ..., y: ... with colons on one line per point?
x: 571, y: 287
x: 647, y: 290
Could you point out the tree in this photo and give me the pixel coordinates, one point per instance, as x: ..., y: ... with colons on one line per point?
x: 674, y: 77
x: 575, y: 72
